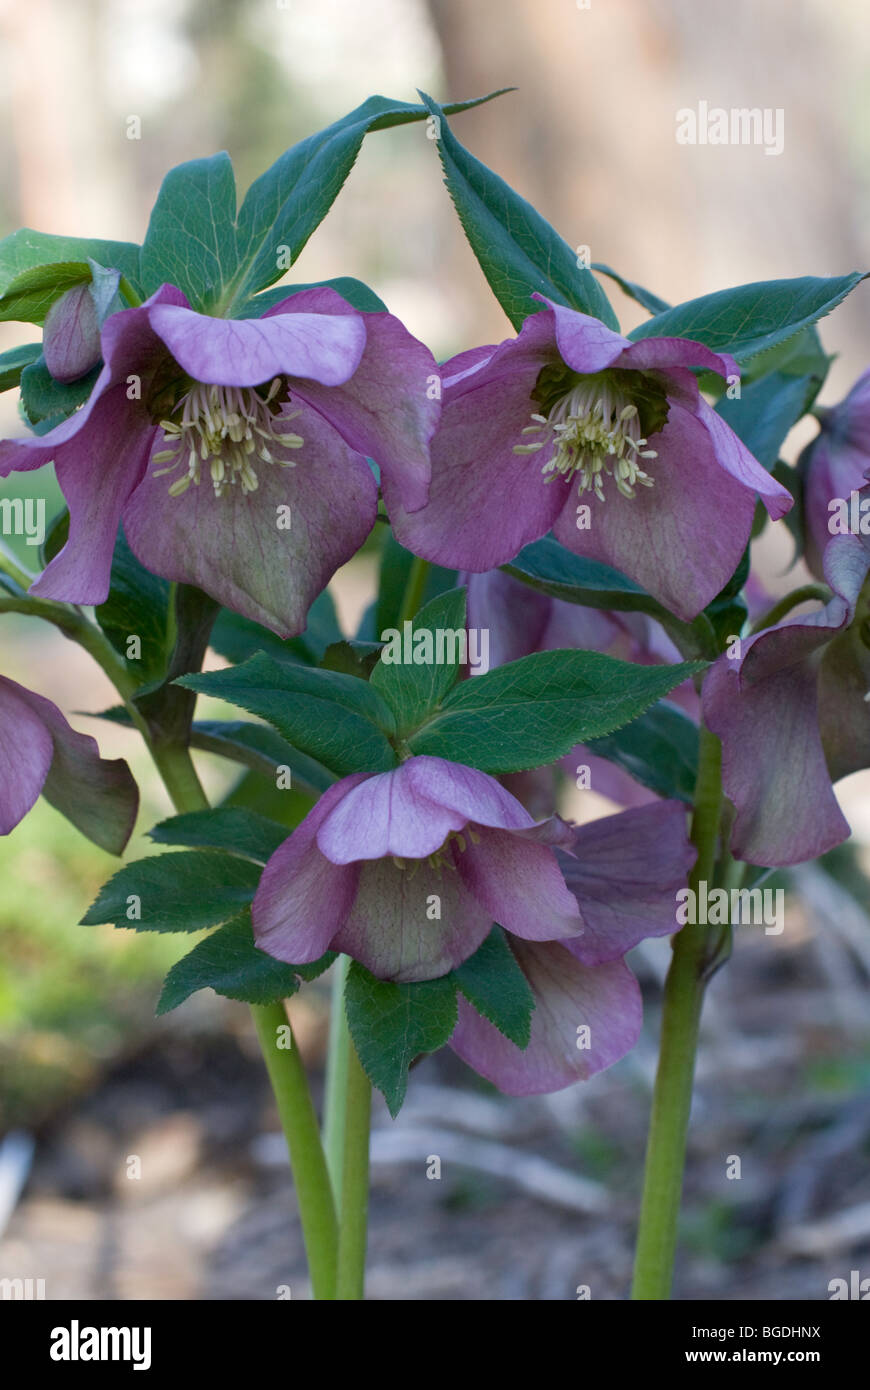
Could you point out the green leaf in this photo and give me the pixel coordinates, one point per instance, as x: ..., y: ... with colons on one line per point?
x: 494, y: 984
x: 659, y: 749
x: 547, y: 566
x: 230, y: 963
x: 261, y: 749
x: 286, y: 203
x: 354, y: 291
x: 27, y: 249
x: 228, y: 828
x: 31, y: 294
x: 137, y: 606
x: 336, y: 719
x: 766, y: 411
x: 353, y: 658
x: 750, y: 319
x: 533, y: 711
x: 645, y: 298
x: 238, y: 638
x: 518, y: 251
x: 395, y: 570
x: 43, y: 398
x: 176, y: 892
x: 13, y: 362
x: 392, y: 1024
x: 413, y: 689
x: 191, y: 237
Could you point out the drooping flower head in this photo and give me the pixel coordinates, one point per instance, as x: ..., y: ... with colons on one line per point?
x: 793, y: 716
x: 40, y: 753
x: 235, y: 450
x: 608, y: 442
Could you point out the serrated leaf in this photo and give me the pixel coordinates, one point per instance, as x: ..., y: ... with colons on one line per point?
x: 494, y: 984
x: 229, y: 962
x: 26, y: 249
x: 354, y: 291
x: 176, y: 892
x: 532, y: 711
x: 392, y: 1024
x: 339, y: 721
x: 413, y: 688
x: 13, y: 362
x: 659, y: 749
x: 517, y: 250
x: 228, y: 828
x: 238, y: 638
x: 750, y: 319
x: 191, y: 239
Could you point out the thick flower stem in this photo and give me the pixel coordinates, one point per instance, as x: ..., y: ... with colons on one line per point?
x: 355, y: 1181
x: 694, y: 957
x: 299, y: 1122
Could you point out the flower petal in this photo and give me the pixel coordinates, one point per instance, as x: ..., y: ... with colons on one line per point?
x: 248, y: 352
x: 389, y: 409
x: 625, y: 872
x: 568, y: 997
x: 414, y: 923
x: 733, y: 456
x: 302, y: 899
x: 97, y: 795
x: 520, y: 884
x: 232, y: 547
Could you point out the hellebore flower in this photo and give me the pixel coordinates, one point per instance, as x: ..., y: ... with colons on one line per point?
x: 39, y: 752
x: 407, y: 870
x: 235, y: 449
x: 625, y: 871
x: 833, y: 466
x: 608, y: 442
x: 793, y: 717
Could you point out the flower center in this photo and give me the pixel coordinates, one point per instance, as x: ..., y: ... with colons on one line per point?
x: 595, y: 430
x: 442, y: 858
x: 225, y: 430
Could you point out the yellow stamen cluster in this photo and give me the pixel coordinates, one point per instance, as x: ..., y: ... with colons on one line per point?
x: 225, y: 429
x: 442, y: 857
x: 596, y: 431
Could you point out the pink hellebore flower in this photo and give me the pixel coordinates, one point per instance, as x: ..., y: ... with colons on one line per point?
x: 408, y: 870
x: 834, y: 466
x: 568, y: 417
x: 235, y: 450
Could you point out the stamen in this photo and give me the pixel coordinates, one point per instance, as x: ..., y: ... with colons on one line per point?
x: 230, y: 429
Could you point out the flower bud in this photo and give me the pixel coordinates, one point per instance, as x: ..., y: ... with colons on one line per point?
x: 71, y: 337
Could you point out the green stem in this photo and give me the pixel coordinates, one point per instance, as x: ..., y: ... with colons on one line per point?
x: 335, y: 1105
x: 805, y: 594
x: 299, y: 1122
x: 691, y: 966
x: 414, y: 589
x: 180, y: 778
x: 352, y: 1233
x: 9, y: 565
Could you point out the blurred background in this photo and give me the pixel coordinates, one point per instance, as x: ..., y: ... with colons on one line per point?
x: 536, y: 1197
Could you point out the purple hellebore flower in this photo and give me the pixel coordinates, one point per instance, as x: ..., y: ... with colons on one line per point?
x: 669, y: 487
x: 834, y: 465
x: 624, y: 871
x: 793, y: 717
x: 235, y: 450
x: 39, y: 752
x: 407, y: 870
